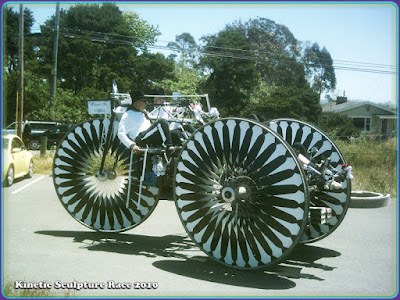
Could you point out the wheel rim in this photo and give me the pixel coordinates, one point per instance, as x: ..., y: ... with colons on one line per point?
x: 338, y: 200
x: 99, y: 202
x: 10, y: 176
x: 35, y: 145
x: 240, y: 193
x: 30, y: 171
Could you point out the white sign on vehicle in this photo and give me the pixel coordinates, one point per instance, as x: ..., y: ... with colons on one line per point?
x: 99, y: 107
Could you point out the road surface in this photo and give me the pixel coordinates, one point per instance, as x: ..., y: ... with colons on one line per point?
x: 43, y: 245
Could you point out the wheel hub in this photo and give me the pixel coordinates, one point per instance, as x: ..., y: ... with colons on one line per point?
x: 228, y: 194
x: 237, y: 188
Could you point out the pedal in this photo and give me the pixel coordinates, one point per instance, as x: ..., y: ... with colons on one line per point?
x: 320, y: 215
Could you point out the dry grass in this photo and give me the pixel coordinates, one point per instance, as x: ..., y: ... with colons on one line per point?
x: 374, y: 164
x: 10, y: 291
x: 43, y: 164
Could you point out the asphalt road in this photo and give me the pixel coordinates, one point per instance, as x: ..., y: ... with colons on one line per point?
x: 42, y: 243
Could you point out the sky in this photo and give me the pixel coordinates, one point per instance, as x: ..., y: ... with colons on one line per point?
x: 358, y: 36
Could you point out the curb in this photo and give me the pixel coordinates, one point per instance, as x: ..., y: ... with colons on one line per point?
x: 366, y: 199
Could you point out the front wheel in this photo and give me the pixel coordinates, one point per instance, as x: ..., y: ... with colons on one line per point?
x: 241, y: 193
x: 99, y: 200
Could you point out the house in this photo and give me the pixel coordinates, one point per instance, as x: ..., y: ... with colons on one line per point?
x: 369, y: 117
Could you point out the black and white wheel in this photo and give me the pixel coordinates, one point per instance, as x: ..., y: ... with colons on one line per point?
x: 99, y: 201
x: 241, y: 193
x: 295, y: 131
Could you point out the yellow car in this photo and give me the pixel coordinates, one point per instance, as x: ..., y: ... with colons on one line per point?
x: 17, y: 160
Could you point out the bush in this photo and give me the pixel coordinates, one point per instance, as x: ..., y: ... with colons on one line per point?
x: 374, y: 164
x: 338, y: 126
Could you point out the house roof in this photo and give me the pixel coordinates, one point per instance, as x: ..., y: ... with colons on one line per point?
x: 335, y: 108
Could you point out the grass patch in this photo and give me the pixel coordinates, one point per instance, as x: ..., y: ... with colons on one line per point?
x: 374, y: 164
x: 43, y: 164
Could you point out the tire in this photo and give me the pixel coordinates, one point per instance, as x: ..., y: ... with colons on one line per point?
x: 10, y: 176
x: 338, y: 200
x: 241, y: 193
x: 30, y: 170
x: 96, y: 202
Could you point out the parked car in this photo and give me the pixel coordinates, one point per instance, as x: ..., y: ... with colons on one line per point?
x: 18, y: 161
x: 37, y: 128
x: 55, y: 135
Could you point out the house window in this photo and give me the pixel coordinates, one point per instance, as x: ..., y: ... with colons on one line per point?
x: 364, y: 124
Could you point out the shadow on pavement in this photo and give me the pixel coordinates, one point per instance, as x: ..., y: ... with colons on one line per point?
x: 297, y: 266
x: 134, y: 244
x: 206, y: 269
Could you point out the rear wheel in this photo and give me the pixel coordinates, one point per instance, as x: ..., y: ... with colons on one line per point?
x: 308, y: 135
x: 241, y: 193
x: 30, y: 169
x: 99, y: 201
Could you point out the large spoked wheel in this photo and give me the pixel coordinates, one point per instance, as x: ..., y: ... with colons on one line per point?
x: 99, y: 201
x: 295, y: 131
x: 241, y: 193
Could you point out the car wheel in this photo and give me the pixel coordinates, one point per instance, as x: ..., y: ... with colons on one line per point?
x: 10, y: 176
x: 34, y: 145
x: 30, y: 170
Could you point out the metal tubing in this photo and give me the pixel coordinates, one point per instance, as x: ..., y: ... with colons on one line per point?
x: 142, y: 177
x: 129, y: 180
x: 108, y: 142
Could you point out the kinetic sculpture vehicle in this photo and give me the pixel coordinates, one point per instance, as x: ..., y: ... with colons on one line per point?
x: 247, y: 193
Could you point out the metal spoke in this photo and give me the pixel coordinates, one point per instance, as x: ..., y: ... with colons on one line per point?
x: 99, y: 201
x: 295, y: 131
x: 242, y: 221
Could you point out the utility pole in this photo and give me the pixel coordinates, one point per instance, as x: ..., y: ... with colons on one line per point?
x: 55, y: 54
x: 21, y: 68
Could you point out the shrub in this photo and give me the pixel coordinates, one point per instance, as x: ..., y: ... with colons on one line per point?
x: 338, y: 126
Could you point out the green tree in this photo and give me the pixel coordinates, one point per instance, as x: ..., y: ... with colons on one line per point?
x: 97, y: 43
x: 187, y: 76
x: 85, y: 57
x: 142, y: 31
x: 187, y: 47
x: 186, y: 80
x: 259, y: 59
x: 319, y: 68
x: 11, y: 30
x: 277, y: 52
x: 289, y: 102
x: 11, y: 58
x: 231, y: 73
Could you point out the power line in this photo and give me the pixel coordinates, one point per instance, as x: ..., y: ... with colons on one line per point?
x: 242, y: 54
